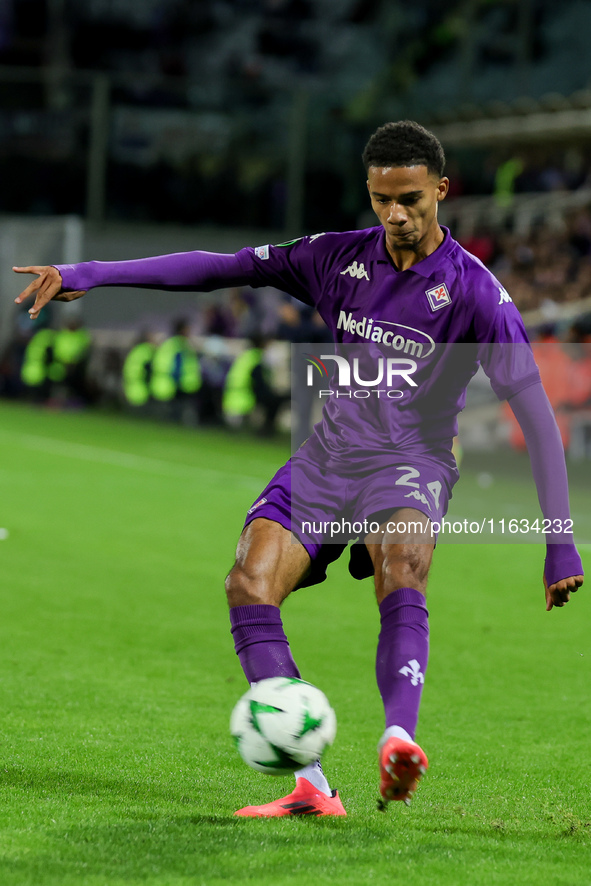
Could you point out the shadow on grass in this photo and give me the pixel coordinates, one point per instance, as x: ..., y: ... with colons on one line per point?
x: 137, y: 832
x: 202, y: 848
x: 41, y: 783
x: 207, y: 848
x: 158, y: 799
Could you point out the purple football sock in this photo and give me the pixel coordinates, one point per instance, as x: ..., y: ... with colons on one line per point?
x: 260, y: 642
x: 401, y: 662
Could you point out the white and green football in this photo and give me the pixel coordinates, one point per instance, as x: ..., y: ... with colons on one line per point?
x: 282, y: 724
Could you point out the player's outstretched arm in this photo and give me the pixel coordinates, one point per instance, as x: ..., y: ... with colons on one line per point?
x: 47, y: 286
x: 287, y: 269
x: 183, y: 271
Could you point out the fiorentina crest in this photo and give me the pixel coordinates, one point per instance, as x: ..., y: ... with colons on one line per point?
x: 438, y: 297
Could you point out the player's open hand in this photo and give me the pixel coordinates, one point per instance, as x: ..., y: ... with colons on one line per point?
x: 46, y: 287
x: 559, y: 593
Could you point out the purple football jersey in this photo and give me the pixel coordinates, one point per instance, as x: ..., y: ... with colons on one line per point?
x: 440, y: 320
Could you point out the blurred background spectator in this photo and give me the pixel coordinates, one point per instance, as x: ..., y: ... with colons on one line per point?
x: 54, y: 365
x: 249, y: 386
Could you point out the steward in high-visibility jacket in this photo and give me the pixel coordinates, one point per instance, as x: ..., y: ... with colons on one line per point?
x: 38, y: 358
x: 70, y: 349
x: 137, y: 373
x: 239, y: 398
x: 249, y: 384
x: 175, y: 367
x: 57, y: 357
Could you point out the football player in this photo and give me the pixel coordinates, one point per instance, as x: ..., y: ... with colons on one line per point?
x: 407, y: 292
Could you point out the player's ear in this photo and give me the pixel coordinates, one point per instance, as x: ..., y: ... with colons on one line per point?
x: 442, y: 189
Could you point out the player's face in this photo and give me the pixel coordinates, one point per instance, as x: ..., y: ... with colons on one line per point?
x: 405, y: 199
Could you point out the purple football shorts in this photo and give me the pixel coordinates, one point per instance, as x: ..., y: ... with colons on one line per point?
x: 325, y: 509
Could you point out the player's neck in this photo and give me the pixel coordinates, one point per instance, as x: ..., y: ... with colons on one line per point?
x: 405, y: 258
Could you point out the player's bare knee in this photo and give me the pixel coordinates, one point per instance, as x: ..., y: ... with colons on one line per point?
x: 403, y: 568
x: 245, y: 587
x: 268, y: 565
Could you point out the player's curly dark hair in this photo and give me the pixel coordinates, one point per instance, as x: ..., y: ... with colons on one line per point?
x: 404, y: 143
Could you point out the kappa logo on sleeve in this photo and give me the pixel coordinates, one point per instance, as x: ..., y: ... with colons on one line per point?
x: 438, y: 297
x: 262, y: 252
x: 505, y: 297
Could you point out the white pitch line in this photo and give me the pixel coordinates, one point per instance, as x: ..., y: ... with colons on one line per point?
x: 126, y: 460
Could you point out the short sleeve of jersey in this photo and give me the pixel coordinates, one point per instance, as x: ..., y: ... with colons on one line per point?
x: 505, y: 352
x: 298, y: 268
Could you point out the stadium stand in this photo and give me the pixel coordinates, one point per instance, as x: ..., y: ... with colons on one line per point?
x: 171, y: 101
x: 227, y: 122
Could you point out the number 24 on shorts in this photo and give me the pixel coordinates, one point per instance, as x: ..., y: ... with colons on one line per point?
x: 409, y: 477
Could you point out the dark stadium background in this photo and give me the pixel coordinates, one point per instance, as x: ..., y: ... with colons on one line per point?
x: 129, y: 129
x: 164, y: 126
x: 137, y: 127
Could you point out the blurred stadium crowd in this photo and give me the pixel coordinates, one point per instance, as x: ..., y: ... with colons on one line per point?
x: 227, y: 365
x: 541, y: 269
x: 252, y: 115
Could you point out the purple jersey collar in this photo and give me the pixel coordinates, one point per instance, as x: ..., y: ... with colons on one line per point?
x: 427, y: 266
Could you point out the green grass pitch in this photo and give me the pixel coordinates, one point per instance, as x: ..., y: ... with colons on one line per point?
x: 118, y: 676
